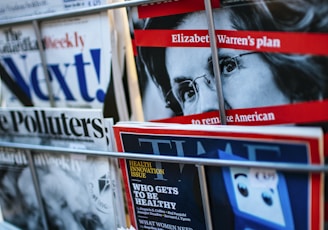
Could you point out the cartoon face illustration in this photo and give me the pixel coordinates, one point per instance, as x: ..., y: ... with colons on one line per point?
x: 256, y: 199
x: 259, y: 197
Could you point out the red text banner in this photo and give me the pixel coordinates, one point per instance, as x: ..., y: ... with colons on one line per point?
x: 262, y: 41
x: 302, y: 113
x: 170, y: 7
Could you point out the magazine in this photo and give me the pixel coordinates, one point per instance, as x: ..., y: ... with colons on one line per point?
x: 61, y: 127
x: 116, y: 177
x: 140, y: 18
x: 79, y: 66
x: 162, y: 195
x: 268, y: 75
x: 125, y: 63
x: 18, y: 199
x: 18, y: 8
x: 80, y: 73
x: 268, y: 32
x: 78, y: 190
x: 92, y: 58
x: 20, y: 66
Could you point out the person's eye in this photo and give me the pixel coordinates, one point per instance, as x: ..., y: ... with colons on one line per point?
x: 228, y: 66
x: 186, y: 91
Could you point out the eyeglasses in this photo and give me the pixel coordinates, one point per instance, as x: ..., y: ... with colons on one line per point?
x: 230, y: 65
x: 186, y: 92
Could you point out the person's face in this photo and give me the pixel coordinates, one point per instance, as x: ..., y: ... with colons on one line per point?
x: 58, y: 207
x: 33, y: 217
x: 247, y: 80
x: 184, y: 65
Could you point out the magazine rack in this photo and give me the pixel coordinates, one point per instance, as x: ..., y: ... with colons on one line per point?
x: 199, y: 163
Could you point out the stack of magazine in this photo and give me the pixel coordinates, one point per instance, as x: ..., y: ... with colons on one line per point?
x: 272, y: 61
x: 164, y: 195
x: 77, y: 62
x: 77, y: 191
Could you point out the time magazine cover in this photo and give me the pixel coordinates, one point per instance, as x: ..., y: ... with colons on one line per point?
x: 162, y: 195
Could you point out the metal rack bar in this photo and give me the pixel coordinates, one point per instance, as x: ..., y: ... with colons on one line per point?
x: 205, y: 198
x: 215, y: 60
x: 37, y: 190
x: 86, y: 10
x: 38, y: 35
x: 295, y: 167
x: 219, y: 91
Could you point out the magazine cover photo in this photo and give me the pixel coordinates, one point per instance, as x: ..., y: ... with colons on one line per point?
x: 168, y: 194
x: 272, y: 55
x: 18, y: 198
